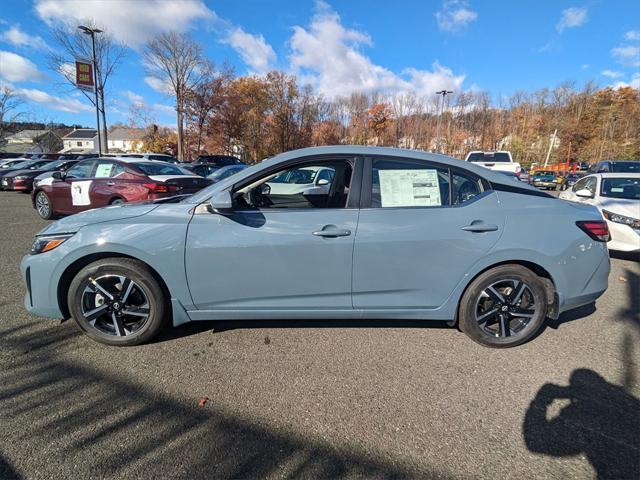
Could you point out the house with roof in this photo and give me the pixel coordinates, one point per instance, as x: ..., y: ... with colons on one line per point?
x: 81, y: 140
x: 33, y: 141
x: 125, y: 140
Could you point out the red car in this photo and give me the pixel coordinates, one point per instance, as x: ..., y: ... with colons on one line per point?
x: 110, y: 181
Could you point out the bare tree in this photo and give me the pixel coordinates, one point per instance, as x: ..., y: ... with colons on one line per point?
x: 175, y: 58
x: 73, y: 45
x: 10, y: 101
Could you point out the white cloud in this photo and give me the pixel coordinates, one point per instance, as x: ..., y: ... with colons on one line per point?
x: 131, y: 22
x: 16, y: 68
x: 455, y: 15
x: 134, y: 97
x: 327, y: 55
x: 571, y: 18
x: 253, y: 49
x: 611, y: 73
x: 632, y: 35
x: 159, y: 85
x: 70, y: 105
x: 18, y: 38
x: 159, y: 107
x: 634, y: 82
x: 628, y: 55
x: 584, y: 66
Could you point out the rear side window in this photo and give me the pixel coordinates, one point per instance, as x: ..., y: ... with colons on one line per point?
x: 464, y: 188
x: 408, y: 183
x: 158, y: 169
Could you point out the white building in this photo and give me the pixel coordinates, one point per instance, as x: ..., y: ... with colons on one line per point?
x: 125, y: 140
x: 81, y: 140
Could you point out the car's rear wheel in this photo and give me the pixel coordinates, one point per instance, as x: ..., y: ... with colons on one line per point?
x: 117, y: 301
x: 43, y: 206
x: 503, y: 307
x: 116, y: 201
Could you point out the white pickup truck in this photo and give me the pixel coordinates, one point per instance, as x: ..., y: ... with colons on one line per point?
x: 501, y: 161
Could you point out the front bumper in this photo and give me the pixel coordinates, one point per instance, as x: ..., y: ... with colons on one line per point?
x: 41, y: 280
x: 623, y: 237
x: 537, y: 183
x: 6, y: 184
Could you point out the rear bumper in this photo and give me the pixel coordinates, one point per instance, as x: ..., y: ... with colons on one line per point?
x: 593, y: 289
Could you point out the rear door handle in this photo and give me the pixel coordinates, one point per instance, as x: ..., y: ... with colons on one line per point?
x: 331, y: 231
x: 479, y: 227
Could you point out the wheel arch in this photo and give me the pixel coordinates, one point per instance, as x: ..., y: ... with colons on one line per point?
x: 72, y: 270
x: 553, y: 300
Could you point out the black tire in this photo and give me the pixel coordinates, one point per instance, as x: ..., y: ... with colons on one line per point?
x: 120, y: 323
x: 117, y: 201
x: 506, y: 328
x: 43, y: 205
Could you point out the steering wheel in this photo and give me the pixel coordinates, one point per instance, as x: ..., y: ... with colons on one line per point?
x: 259, y: 196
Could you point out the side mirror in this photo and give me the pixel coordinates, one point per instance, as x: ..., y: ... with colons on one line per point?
x: 221, y: 202
x: 584, y: 193
x: 58, y: 175
x: 323, y: 181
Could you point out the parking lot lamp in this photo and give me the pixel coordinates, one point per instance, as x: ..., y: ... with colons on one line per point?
x: 92, y: 32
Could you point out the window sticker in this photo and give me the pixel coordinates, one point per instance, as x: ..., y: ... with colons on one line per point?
x: 617, y: 189
x: 409, y: 188
x: 80, y: 193
x: 104, y: 170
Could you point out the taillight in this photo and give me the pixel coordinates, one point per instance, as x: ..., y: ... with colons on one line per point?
x: 596, y: 229
x: 160, y: 187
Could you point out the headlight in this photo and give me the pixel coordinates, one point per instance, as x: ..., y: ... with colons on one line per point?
x: 48, y: 242
x: 616, y: 218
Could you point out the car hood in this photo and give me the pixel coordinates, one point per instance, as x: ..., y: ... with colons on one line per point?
x: 99, y: 215
x: 621, y: 206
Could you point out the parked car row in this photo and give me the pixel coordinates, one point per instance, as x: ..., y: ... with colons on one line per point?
x: 62, y: 184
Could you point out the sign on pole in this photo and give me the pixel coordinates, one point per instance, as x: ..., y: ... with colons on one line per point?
x: 84, y: 75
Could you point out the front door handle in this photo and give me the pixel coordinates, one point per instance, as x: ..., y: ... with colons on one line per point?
x: 331, y: 231
x: 479, y: 226
x: 111, y: 184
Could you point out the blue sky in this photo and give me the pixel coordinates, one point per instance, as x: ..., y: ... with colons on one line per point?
x: 399, y: 47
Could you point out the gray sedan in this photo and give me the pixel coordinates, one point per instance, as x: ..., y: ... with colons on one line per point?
x: 397, y: 234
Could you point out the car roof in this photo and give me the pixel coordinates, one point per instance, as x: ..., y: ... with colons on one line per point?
x: 616, y: 175
x: 341, y: 150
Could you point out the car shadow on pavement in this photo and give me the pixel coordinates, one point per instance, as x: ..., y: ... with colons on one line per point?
x: 61, y: 415
x: 217, y: 326
x: 591, y: 416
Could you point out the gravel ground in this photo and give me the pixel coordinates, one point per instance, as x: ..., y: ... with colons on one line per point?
x: 317, y: 399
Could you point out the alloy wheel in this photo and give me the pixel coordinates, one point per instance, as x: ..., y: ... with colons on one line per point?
x: 115, y: 305
x: 505, y: 308
x: 42, y: 205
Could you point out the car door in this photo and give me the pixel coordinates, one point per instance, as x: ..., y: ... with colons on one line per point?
x: 108, y: 183
x: 421, y: 227
x: 283, y: 256
x: 71, y: 192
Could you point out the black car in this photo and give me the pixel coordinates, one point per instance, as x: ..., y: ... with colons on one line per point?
x: 22, y: 180
x: 24, y: 165
x: 202, y: 169
x: 616, y: 166
x: 219, y: 160
x: 571, y: 179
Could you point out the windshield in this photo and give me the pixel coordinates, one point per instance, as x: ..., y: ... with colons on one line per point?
x: 488, y: 157
x: 37, y: 165
x: 159, y: 169
x: 13, y: 163
x: 625, y: 167
x: 54, y: 165
x: 217, y: 160
x: 225, y: 172
x: 626, y: 188
x: 23, y: 164
x: 299, y: 176
x: 544, y: 174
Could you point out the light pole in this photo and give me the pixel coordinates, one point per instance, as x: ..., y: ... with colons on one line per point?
x: 444, y: 93
x: 92, y: 32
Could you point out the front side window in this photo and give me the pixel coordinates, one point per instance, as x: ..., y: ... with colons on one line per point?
x: 294, y: 187
x: 80, y: 170
x: 588, y: 183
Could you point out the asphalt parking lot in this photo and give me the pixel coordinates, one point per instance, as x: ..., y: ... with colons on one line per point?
x: 313, y: 399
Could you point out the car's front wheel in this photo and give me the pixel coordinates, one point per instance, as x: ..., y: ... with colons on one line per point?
x: 117, y: 301
x: 503, y: 307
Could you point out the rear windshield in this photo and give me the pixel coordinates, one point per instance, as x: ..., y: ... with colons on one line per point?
x: 488, y: 157
x: 625, y: 167
x: 627, y: 188
x: 218, y: 160
x: 159, y: 169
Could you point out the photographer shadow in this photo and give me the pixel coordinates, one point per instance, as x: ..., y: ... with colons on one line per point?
x: 596, y: 418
